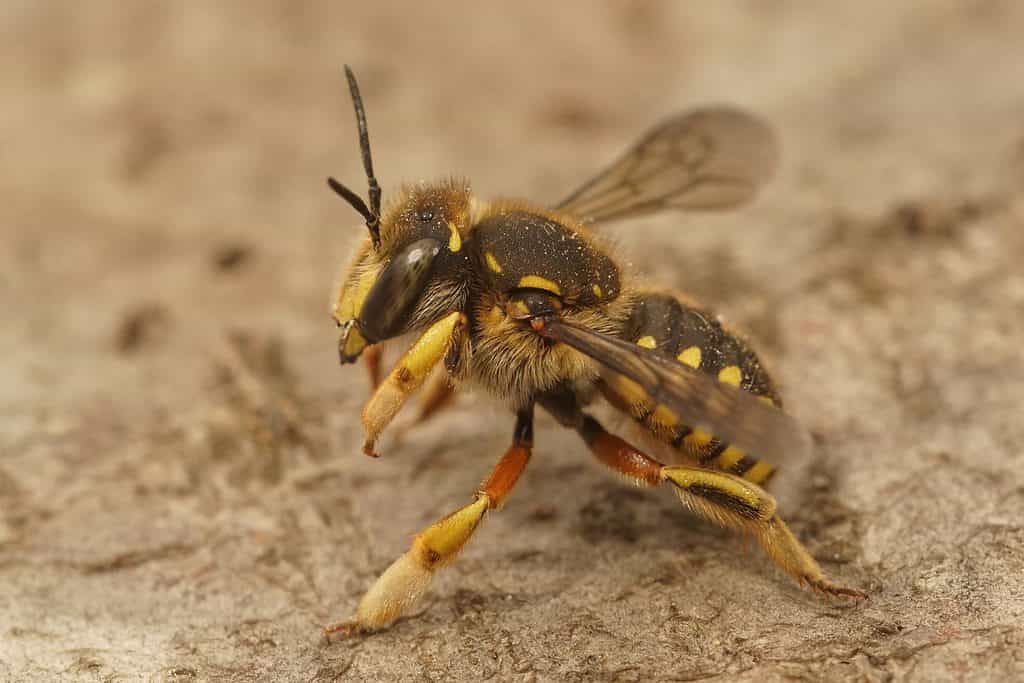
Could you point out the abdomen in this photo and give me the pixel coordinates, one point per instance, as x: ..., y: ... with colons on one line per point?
x: 694, y: 337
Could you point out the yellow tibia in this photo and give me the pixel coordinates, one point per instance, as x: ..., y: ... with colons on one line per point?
x: 442, y: 541
x: 408, y: 374
x: 408, y: 577
x: 429, y: 348
x: 722, y: 494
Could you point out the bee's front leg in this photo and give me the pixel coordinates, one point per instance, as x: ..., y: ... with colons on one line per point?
x: 408, y: 374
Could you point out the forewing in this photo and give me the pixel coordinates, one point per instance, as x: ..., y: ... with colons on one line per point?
x: 731, y: 414
x: 710, y: 158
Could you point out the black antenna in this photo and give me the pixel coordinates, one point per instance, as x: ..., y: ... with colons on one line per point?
x: 370, y: 213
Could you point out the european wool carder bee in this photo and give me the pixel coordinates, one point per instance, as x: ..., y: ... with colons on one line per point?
x: 527, y: 303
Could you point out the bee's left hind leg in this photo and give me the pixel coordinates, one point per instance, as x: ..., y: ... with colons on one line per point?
x: 725, y: 499
x: 406, y: 580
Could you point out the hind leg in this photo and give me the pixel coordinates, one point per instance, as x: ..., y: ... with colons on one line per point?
x: 725, y: 499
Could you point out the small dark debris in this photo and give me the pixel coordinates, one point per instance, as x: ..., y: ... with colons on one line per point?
x: 229, y: 257
x: 141, y: 326
x: 888, y: 628
x: 930, y: 218
x: 543, y: 513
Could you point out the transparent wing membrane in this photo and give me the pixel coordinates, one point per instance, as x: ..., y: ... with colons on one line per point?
x: 712, y: 158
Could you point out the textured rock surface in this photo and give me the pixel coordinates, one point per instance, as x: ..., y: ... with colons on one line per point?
x: 181, y: 491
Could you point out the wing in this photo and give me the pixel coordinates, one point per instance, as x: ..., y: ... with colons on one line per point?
x: 705, y: 159
x: 731, y: 414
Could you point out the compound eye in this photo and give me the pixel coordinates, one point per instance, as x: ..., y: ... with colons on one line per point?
x: 393, y: 297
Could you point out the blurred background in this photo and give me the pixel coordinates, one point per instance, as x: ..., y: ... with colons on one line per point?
x: 181, y: 490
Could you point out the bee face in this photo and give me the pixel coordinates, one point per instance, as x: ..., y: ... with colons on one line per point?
x: 416, y: 272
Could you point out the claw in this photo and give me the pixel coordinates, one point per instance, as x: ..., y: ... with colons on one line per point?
x: 341, y: 629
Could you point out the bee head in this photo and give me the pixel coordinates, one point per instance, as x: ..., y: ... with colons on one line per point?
x: 410, y: 271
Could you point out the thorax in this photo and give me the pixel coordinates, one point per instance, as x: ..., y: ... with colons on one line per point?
x: 515, y: 248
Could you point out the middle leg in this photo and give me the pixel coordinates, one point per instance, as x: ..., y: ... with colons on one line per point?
x: 406, y: 580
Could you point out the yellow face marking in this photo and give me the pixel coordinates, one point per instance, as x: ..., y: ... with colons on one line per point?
x: 492, y: 262
x: 352, y: 296
x: 354, y: 342
x: 647, y: 342
x: 698, y: 438
x: 690, y: 356
x: 597, y: 291
x: 455, y: 241
x: 538, y: 282
x: 731, y: 374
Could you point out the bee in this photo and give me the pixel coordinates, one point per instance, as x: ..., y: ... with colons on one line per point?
x: 528, y: 303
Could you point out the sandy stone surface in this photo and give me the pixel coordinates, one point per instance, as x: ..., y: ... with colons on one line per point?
x: 182, y: 495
